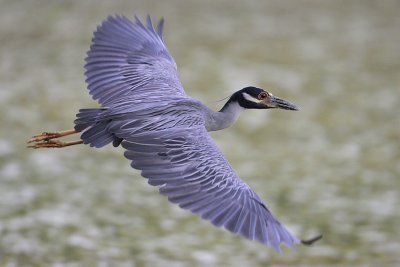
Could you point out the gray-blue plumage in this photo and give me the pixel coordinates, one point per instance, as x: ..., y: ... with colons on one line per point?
x: 165, y: 132
x: 129, y: 58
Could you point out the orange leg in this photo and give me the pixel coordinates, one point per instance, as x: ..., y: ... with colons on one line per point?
x: 44, y: 140
x: 46, y: 136
x: 54, y: 144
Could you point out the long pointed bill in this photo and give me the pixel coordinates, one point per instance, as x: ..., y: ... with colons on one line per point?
x: 277, y: 102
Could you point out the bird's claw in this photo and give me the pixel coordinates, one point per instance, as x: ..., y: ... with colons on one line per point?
x: 45, y: 136
x: 54, y: 144
x: 44, y: 140
x: 46, y: 144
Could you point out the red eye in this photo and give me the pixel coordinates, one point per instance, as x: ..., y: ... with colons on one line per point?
x: 262, y: 96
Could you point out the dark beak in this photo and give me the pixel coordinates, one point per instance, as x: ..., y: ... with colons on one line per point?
x: 276, y: 102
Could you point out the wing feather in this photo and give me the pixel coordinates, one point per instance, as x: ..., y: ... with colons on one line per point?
x: 192, y: 172
x: 129, y: 58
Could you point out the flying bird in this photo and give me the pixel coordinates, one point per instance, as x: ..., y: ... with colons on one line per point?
x: 144, y: 108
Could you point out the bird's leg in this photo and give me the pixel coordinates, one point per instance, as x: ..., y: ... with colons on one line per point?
x: 46, y: 136
x: 44, y: 140
x: 54, y: 144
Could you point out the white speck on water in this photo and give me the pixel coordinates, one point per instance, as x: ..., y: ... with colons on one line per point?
x: 5, y: 147
x: 204, y: 257
x: 5, y: 95
x: 373, y: 236
x: 22, y: 196
x: 46, y: 161
x: 350, y: 151
x: 384, y: 205
x: 11, y: 263
x: 11, y: 170
x: 168, y: 224
x: 19, y: 223
x: 81, y: 241
x: 393, y: 247
x: 20, y: 244
x: 58, y: 216
x: 324, y: 250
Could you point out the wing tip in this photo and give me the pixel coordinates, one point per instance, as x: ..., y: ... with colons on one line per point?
x: 160, y: 28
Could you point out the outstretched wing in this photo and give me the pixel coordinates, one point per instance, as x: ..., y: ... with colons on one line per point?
x: 173, y: 150
x: 127, y: 57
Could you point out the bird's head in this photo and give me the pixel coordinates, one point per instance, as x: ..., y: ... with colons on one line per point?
x: 257, y: 98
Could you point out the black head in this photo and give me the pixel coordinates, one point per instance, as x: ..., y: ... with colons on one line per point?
x: 256, y: 98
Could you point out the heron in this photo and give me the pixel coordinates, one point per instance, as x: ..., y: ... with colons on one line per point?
x: 165, y: 132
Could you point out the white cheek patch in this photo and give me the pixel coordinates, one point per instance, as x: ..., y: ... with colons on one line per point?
x: 250, y: 98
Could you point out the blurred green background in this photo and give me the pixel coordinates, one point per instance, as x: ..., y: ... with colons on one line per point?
x: 333, y: 167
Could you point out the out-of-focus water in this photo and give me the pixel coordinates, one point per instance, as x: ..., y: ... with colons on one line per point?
x: 332, y: 167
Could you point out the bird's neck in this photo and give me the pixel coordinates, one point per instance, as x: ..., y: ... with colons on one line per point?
x: 225, y: 117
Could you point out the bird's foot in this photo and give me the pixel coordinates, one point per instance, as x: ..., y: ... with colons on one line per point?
x: 54, y: 144
x: 45, y: 140
x: 47, y: 136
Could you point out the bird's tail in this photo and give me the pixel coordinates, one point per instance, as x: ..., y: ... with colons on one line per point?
x: 94, y: 128
x: 87, y: 117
